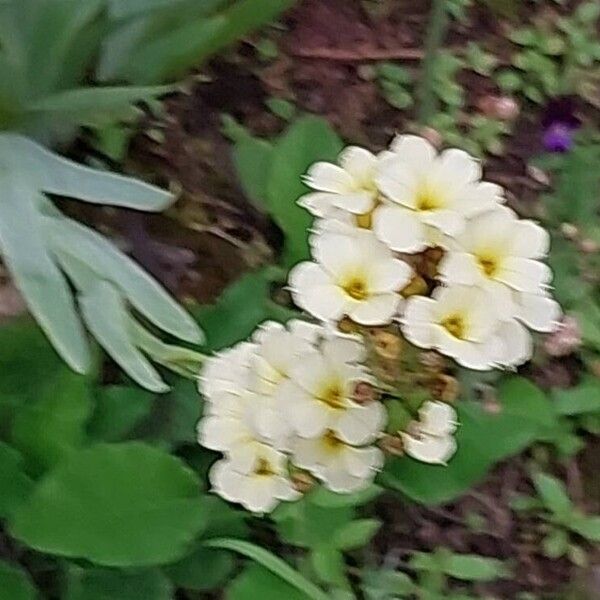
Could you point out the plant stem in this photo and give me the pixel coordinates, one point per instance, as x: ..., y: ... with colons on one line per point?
x: 436, y: 31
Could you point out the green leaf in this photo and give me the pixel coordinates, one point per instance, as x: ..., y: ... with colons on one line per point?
x: 119, y: 505
x: 470, y: 567
x: 308, y: 140
x: 328, y: 563
x: 47, y: 429
x: 252, y: 158
x: 15, y: 584
x: 241, y: 307
x: 35, y: 274
x: 54, y: 174
x: 284, y: 109
x: 327, y: 499
x: 203, y: 570
x: 556, y: 543
x: 509, y: 81
x: 584, y: 398
x: 98, y: 106
x: 108, y: 262
x: 15, y: 485
x: 109, y: 584
x: 483, y: 439
x: 258, y: 582
x: 118, y: 409
x: 271, y: 562
x: 385, y: 584
x: 106, y: 317
x: 587, y: 527
x: 553, y: 494
x: 356, y: 534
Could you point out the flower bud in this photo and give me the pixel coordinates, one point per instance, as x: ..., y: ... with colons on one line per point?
x: 503, y: 108
x: 303, y: 481
x: 387, y: 345
x: 416, y: 287
x: 432, y: 361
x: 569, y: 231
x: 391, y: 444
x: 445, y: 388
x: 433, y: 136
x: 589, y: 246
x: 565, y: 340
x: 365, y: 393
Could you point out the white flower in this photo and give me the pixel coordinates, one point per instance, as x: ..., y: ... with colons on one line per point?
x: 258, y: 484
x: 429, y: 196
x: 430, y: 438
x: 341, y: 467
x: 349, y: 186
x: 226, y: 372
x: 278, y: 350
x: 460, y: 322
x: 354, y: 275
x: 539, y: 312
x: 500, y: 254
x: 320, y: 391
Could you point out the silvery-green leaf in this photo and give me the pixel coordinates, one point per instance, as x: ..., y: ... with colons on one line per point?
x: 107, y: 319
x: 54, y: 174
x: 183, y: 361
x: 35, y: 273
x: 144, y: 293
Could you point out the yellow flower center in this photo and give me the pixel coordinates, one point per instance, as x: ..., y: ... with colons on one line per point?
x: 263, y: 468
x: 356, y: 288
x: 455, y: 325
x: 428, y: 198
x: 365, y: 221
x: 331, y: 442
x: 489, y: 264
x: 333, y: 396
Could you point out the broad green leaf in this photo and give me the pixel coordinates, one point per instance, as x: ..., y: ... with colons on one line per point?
x: 35, y: 273
x: 356, y: 534
x: 110, y: 584
x: 270, y: 562
x: 120, y: 505
x: 588, y: 316
x: 15, y: 485
x: 585, y: 398
x: 96, y: 106
x: 327, y: 499
x: 308, y: 140
x: 386, y: 584
x: 191, y: 41
x: 106, y: 317
x: 15, y: 584
x: 470, y: 567
x: 328, y: 563
x: 240, y: 308
x: 51, y: 426
x: 202, y: 570
x: 257, y: 582
x: 556, y: 543
x: 483, y: 439
x: 118, y: 409
x: 587, y: 527
x: 142, y: 291
x: 553, y: 494
x: 253, y: 158
x: 54, y: 174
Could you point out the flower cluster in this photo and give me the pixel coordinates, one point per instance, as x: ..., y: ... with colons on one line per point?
x: 408, y: 236
x: 376, y: 216
x: 285, y: 402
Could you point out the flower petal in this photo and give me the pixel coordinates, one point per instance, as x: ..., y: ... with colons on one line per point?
x: 530, y: 240
x: 459, y: 267
x: 540, y: 312
x: 525, y: 275
x: 360, y: 163
x: 390, y: 275
x: 399, y: 228
x: 518, y: 343
x: 447, y: 221
x: 417, y: 321
x: 313, y: 291
x: 415, y: 151
x: 376, y: 310
x: 319, y: 204
x: 430, y: 449
x: 360, y: 425
x: 327, y: 177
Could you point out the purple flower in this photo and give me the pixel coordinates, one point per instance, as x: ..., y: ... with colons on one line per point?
x: 558, y: 137
x: 559, y: 123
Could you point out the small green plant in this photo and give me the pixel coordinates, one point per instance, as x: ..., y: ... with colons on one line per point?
x: 556, y: 57
x: 395, y: 83
x: 432, y: 573
x: 562, y: 520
